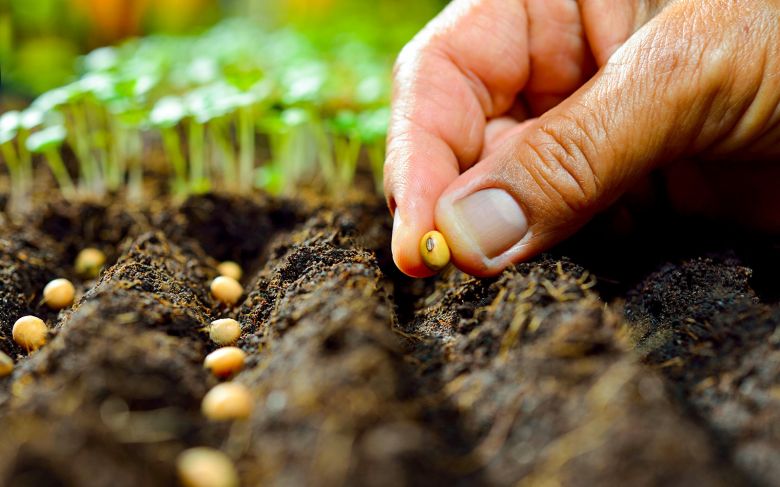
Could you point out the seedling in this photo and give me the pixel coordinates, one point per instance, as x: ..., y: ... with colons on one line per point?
x: 293, y: 149
x: 48, y: 142
x: 227, y: 290
x: 206, y: 467
x: 339, y: 147
x: 89, y: 262
x: 434, y: 251
x: 224, y: 331
x: 227, y: 401
x: 225, y: 361
x: 166, y: 115
x: 210, y: 97
x: 29, y: 332
x: 230, y: 269
x: 59, y: 294
x: 6, y: 365
x: 373, y: 130
x: 21, y: 178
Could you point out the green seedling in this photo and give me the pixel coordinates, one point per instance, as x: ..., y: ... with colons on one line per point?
x: 9, y: 127
x: 339, y: 146
x: 128, y: 117
x: 210, y: 97
x: 165, y: 116
x: 293, y: 150
x: 372, y: 127
x: 48, y: 142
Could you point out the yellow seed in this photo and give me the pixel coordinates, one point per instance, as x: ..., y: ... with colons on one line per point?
x: 227, y: 401
x: 225, y: 361
x: 6, y: 365
x: 225, y: 331
x: 434, y: 251
x: 89, y: 262
x: 59, y: 294
x: 226, y: 289
x: 30, y: 332
x: 230, y: 269
x: 206, y: 467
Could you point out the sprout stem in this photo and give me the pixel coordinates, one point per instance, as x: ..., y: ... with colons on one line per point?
x: 87, y: 166
x: 18, y: 184
x: 198, y: 183
x: 136, y: 174
x: 114, y: 164
x: 246, y: 149
x: 347, y: 152
x: 173, y: 149
x: 57, y: 166
x: 326, y: 159
x: 25, y: 161
x: 225, y: 160
x: 376, y: 158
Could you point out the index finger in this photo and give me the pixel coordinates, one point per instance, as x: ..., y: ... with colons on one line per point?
x: 466, y: 66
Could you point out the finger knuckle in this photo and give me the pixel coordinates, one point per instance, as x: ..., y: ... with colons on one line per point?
x: 560, y: 162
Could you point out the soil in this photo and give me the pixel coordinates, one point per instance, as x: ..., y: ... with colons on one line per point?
x: 641, y: 357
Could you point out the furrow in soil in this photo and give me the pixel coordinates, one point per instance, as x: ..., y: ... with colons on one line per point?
x: 546, y: 388
x: 702, y: 326
x: 336, y: 401
x: 116, y: 394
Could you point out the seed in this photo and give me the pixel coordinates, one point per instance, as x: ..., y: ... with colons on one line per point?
x: 30, y: 332
x: 226, y: 401
x: 434, y: 251
x: 225, y: 361
x: 230, y: 269
x: 206, y: 467
x: 226, y: 289
x: 224, y: 331
x: 89, y: 262
x: 6, y: 365
x: 59, y: 294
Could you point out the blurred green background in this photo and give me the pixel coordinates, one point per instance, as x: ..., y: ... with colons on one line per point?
x: 41, y: 40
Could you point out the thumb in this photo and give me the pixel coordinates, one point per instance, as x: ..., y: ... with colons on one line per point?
x: 668, y: 92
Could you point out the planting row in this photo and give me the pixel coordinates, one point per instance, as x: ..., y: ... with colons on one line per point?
x: 326, y: 370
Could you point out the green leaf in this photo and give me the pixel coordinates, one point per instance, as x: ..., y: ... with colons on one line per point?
x: 101, y: 59
x: 168, y: 112
x: 373, y: 124
x: 31, y: 118
x: 103, y: 86
x: 46, y: 139
x: 9, y: 125
x: 54, y: 98
x: 344, y: 123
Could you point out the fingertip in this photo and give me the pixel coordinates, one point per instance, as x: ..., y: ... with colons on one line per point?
x: 405, y: 245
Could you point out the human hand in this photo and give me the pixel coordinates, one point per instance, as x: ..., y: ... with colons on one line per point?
x: 515, y: 121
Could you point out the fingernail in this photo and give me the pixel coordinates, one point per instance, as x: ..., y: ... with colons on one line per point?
x: 493, y: 220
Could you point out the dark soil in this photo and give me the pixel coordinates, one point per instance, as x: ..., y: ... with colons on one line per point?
x: 618, y: 359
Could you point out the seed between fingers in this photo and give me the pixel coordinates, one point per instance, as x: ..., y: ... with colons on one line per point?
x: 434, y: 251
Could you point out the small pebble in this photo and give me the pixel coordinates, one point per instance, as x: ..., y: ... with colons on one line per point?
x: 89, y: 262
x: 59, y: 294
x: 6, y: 365
x: 206, y: 467
x: 225, y: 361
x: 224, y: 331
x: 29, y: 332
x: 434, y: 251
x: 230, y: 269
x: 226, y: 290
x: 227, y: 401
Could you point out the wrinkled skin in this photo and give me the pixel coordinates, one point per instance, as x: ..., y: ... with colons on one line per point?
x: 569, y: 105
